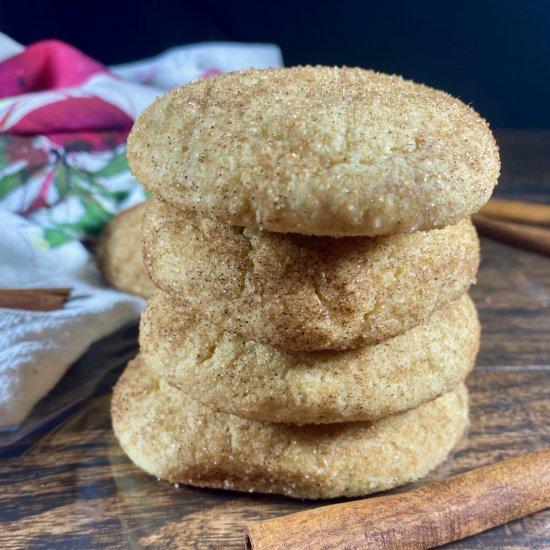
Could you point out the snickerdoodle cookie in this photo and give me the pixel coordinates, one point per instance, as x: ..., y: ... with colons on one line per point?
x: 238, y: 376
x: 173, y: 437
x: 307, y: 293
x: 120, y: 253
x: 316, y: 151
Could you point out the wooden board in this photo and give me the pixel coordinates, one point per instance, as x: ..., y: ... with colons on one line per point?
x: 75, y: 488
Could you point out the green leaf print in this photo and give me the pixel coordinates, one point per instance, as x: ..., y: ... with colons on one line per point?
x: 56, y: 237
x: 62, y: 180
x: 9, y: 183
x: 92, y: 221
x: 117, y: 164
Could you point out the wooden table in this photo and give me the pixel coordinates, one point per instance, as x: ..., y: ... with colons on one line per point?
x: 74, y: 488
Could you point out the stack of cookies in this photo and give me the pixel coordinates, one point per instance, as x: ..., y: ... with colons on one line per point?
x: 311, y: 243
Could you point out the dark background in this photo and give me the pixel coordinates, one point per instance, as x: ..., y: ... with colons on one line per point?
x: 494, y: 54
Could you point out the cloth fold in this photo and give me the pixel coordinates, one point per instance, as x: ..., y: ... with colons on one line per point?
x: 64, y: 120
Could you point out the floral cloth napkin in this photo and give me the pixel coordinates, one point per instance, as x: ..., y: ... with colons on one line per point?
x: 64, y: 119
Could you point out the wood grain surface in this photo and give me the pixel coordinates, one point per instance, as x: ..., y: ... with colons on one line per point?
x: 74, y: 488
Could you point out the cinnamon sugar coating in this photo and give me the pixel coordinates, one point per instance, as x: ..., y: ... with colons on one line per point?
x: 173, y: 437
x: 307, y: 293
x: 120, y: 253
x: 316, y: 151
x: 238, y: 376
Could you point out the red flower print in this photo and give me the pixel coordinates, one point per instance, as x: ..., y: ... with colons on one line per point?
x: 74, y: 121
x: 46, y: 65
x: 89, y: 141
x: 22, y: 148
x: 40, y: 201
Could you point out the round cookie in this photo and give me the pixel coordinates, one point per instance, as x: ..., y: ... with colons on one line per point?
x: 307, y: 293
x: 120, y: 253
x: 175, y: 438
x: 317, y: 151
x: 231, y: 374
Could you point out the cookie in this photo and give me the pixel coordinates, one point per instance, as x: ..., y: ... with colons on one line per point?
x: 173, y: 437
x: 120, y: 253
x: 238, y: 376
x: 307, y: 293
x: 317, y: 151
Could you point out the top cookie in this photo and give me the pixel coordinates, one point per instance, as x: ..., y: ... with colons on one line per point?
x: 316, y: 150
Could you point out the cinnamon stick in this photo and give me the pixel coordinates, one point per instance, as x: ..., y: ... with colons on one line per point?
x: 424, y: 518
x: 522, y: 236
x: 34, y: 299
x: 518, y: 211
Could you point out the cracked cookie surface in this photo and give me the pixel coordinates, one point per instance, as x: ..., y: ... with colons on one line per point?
x: 307, y: 293
x: 238, y: 376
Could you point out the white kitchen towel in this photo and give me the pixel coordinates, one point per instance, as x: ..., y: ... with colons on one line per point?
x: 36, y: 348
